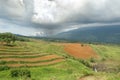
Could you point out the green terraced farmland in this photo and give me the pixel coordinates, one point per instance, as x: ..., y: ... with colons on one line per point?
x: 49, y: 61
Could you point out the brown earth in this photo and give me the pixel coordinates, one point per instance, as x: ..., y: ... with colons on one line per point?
x: 47, y: 57
x: 23, y: 55
x: 18, y: 53
x: 93, y: 78
x: 37, y: 64
x: 79, y: 50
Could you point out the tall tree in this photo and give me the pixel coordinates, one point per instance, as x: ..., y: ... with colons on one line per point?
x: 7, y: 37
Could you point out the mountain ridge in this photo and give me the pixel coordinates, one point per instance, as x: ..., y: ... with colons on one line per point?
x: 103, y: 34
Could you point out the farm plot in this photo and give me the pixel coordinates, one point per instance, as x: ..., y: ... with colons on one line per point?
x: 18, y: 57
x: 80, y: 51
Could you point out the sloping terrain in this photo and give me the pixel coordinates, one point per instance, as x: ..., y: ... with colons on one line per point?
x: 53, y: 61
x: 19, y: 56
x: 80, y: 51
x: 102, y: 34
x: 47, y: 56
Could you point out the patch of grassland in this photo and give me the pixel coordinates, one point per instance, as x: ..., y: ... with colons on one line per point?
x: 110, y: 58
x: 45, y: 47
x: 23, y: 56
x: 71, y: 69
x: 108, y: 51
x: 24, y: 62
x: 68, y: 70
x: 106, y: 76
x: 34, y: 46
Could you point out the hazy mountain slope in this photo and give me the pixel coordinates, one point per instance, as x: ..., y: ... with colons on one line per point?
x: 109, y: 34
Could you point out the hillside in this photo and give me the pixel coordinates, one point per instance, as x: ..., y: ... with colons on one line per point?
x: 43, y: 59
x: 102, y: 34
x: 53, y: 61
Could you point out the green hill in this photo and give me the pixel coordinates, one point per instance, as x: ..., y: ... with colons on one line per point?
x: 67, y: 67
x: 101, y: 34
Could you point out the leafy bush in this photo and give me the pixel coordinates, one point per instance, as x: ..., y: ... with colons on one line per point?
x: 23, y: 39
x: 20, y: 73
x: 82, y: 45
x: 7, y: 37
x: 92, y: 60
x: 3, y: 62
x: 87, y: 73
x: 85, y: 62
x: 103, y: 59
x: 2, y: 68
x: 70, y: 71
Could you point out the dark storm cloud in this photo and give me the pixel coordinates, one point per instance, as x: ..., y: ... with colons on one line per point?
x: 57, y: 16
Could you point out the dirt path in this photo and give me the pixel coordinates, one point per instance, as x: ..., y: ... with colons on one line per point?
x: 79, y: 50
x: 25, y: 55
x: 37, y: 64
x: 17, y: 53
x: 93, y: 78
x: 47, y: 57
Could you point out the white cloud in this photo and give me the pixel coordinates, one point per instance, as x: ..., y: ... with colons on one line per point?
x: 7, y: 26
x: 56, y: 11
x: 61, y: 11
x: 12, y: 9
x: 54, y: 16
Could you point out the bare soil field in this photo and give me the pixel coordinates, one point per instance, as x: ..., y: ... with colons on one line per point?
x: 47, y: 57
x: 80, y: 51
x: 36, y: 64
x: 93, y: 78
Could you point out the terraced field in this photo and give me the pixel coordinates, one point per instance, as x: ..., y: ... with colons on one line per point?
x: 57, y: 56
x: 19, y: 56
x: 80, y: 51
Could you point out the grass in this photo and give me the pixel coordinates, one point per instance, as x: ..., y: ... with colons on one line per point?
x: 109, y: 56
x: 24, y: 62
x: 46, y: 47
x: 108, y: 51
x: 71, y: 69
x: 107, y: 76
x: 35, y: 46
x: 62, y: 71
x: 23, y: 56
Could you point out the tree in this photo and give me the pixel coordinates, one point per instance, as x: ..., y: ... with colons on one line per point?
x: 7, y: 37
x: 25, y: 73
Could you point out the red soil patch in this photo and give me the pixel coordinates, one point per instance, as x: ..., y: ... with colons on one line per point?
x: 25, y: 55
x: 80, y: 51
x: 37, y: 64
x: 18, y: 53
x: 48, y: 57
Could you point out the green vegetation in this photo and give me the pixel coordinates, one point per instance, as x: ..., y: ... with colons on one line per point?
x: 2, y: 68
x: 7, y: 38
x: 20, y: 73
x: 109, y: 61
x: 70, y: 69
x: 108, y: 51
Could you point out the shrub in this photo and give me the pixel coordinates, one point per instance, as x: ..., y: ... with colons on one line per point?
x: 2, y: 68
x: 82, y: 45
x: 70, y: 71
x: 20, y: 73
x: 103, y: 59
x: 92, y: 60
x: 86, y: 63
x: 87, y: 73
x: 7, y: 37
x: 3, y: 62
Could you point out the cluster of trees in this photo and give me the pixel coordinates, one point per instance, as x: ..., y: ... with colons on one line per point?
x: 7, y: 38
x: 23, y: 73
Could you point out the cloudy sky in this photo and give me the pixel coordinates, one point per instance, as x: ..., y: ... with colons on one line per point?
x: 49, y: 17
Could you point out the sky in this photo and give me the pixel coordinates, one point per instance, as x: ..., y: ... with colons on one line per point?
x: 50, y: 17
